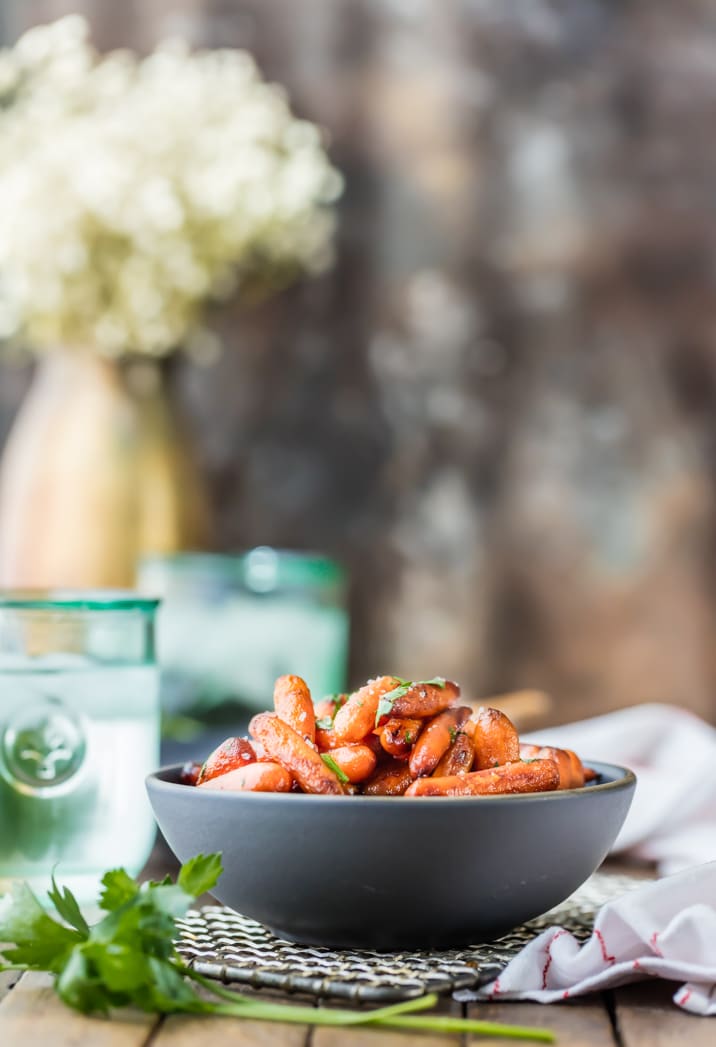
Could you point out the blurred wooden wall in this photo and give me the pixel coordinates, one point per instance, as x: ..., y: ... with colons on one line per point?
x: 500, y: 408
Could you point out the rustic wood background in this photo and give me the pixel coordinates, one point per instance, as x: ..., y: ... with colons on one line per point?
x: 499, y: 409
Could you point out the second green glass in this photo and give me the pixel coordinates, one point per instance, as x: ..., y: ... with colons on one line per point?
x: 229, y: 625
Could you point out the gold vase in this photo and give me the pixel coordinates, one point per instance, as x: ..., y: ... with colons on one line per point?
x: 95, y: 473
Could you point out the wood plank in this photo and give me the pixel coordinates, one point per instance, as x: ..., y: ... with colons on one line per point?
x: 7, y: 980
x: 32, y: 1015
x: 185, y: 1031
x: 579, y: 1023
x: 356, y: 1036
x: 646, y: 1016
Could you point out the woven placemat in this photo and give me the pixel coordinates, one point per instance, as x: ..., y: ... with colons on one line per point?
x: 220, y: 943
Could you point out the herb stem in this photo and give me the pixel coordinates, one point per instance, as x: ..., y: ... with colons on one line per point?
x: 396, y: 1016
x: 280, y: 1012
x: 441, y: 1023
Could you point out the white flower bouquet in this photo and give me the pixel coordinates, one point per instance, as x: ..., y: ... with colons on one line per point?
x: 135, y: 191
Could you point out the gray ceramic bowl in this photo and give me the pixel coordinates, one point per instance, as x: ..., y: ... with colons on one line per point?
x: 390, y: 872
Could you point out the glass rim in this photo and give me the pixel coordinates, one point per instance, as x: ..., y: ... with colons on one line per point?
x: 287, y: 566
x: 76, y: 600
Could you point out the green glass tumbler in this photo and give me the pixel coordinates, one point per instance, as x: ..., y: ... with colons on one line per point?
x: 230, y: 624
x: 79, y: 730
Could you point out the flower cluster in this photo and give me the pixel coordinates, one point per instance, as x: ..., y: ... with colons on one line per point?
x: 133, y: 192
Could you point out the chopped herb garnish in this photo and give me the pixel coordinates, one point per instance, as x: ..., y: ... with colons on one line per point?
x: 330, y: 762
x: 453, y: 734
x: 387, y: 701
x: 408, y: 737
x: 325, y: 723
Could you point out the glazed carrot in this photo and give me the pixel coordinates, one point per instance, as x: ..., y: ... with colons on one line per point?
x: 528, y: 751
x: 356, y: 761
x: 292, y: 702
x: 571, y: 770
x: 563, y: 762
x: 326, y: 740
x: 287, y: 747
x: 539, y: 776
x: 578, y: 770
x: 495, y: 739
x: 390, y: 780
x: 590, y: 774
x: 254, y: 778
x: 397, y: 737
x: 426, y: 699
x: 458, y: 759
x: 436, y: 739
x: 357, y: 717
x: 232, y: 753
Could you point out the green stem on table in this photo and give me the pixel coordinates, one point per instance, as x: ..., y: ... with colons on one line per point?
x: 440, y: 1023
x: 396, y: 1016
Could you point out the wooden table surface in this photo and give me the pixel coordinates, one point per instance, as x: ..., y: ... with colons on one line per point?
x: 640, y: 1015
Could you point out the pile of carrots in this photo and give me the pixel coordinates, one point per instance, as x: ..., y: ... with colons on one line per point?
x: 392, y: 737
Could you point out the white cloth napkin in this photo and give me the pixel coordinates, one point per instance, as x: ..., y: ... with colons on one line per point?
x: 672, y: 820
x: 666, y: 929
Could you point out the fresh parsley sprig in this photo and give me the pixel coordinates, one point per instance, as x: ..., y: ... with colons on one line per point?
x: 128, y: 958
x: 387, y: 701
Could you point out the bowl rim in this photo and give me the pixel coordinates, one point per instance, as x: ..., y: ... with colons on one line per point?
x: 622, y: 779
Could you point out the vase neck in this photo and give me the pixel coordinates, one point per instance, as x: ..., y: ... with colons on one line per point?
x: 141, y: 379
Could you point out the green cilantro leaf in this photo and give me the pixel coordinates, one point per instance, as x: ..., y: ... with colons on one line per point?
x: 387, y: 701
x: 66, y: 905
x: 38, y: 942
x: 200, y: 874
x: 325, y: 723
x: 119, y: 888
x: 330, y: 762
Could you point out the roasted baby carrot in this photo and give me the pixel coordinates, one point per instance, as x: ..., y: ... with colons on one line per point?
x: 458, y: 759
x: 495, y: 739
x: 357, y: 717
x: 397, y: 737
x: 287, y: 747
x: 390, y: 780
x: 571, y: 770
x: 435, y: 740
x: 232, y: 753
x: 292, y: 702
x: 356, y: 761
x: 326, y: 740
x: 538, y: 776
x: 426, y: 699
x: 254, y: 778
